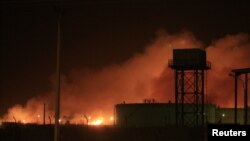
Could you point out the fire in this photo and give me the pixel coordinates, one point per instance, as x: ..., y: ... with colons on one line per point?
x: 84, y: 91
x: 24, y: 118
x: 24, y: 121
x: 111, y: 118
x: 98, y: 121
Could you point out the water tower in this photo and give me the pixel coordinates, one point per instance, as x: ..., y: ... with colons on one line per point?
x: 189, y: 66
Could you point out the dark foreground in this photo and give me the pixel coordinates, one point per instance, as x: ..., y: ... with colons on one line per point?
x: 20, y: 132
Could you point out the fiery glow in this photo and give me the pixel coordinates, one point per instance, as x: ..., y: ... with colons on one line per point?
x: 24, y: 121
x: 145, y: 75
x: 111, y: 118
x: 98, y: 121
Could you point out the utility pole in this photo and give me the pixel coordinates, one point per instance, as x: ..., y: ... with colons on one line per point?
x: 44, y: 113
x: 246, y: 100
x: 57, y: 97
x: 235, y: 99
x: 236, y: 73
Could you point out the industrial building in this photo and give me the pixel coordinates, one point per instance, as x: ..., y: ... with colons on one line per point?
x: 163, y: 114
x: 189, y: 108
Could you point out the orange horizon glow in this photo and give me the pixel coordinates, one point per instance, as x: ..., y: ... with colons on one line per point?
x: 144, y: 75
x: 95, y: 121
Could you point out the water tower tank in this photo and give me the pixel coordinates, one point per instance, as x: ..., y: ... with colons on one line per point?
x: 189, y: 59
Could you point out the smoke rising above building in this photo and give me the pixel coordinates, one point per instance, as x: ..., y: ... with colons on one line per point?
x: 94, y: 92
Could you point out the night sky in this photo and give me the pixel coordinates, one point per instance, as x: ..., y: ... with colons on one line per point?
x: 95, y: 34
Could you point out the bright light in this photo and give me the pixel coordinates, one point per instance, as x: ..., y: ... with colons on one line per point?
x: 223, y: 115
x: 98, y: 121
x: 111, y: 118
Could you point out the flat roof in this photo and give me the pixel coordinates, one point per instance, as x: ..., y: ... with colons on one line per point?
x: 241, y: 71
x: 156, y: 104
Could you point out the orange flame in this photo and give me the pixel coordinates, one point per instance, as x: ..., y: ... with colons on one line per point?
x: 144, y: 75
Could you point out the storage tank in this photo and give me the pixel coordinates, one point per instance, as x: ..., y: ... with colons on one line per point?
x: 189, y: 59
x: 145, y: 114
x: 153, y: 114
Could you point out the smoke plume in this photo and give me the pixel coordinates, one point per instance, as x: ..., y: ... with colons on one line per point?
x: 94, y: 93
